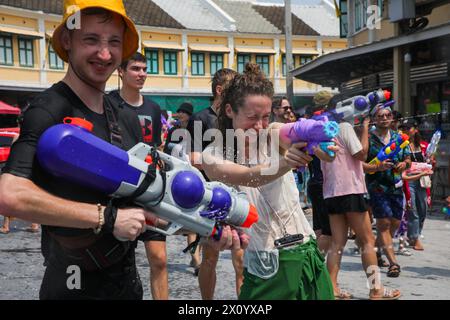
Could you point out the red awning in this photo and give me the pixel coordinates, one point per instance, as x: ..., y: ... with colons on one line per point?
x: 7, y: 109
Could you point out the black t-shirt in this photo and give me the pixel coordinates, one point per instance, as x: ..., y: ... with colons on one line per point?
x: 206, y: 119
x: 149, y: 114
x: 316, y: 175
x: 48, y: 109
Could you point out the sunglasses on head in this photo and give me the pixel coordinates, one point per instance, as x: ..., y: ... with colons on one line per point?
x: 386, y: 115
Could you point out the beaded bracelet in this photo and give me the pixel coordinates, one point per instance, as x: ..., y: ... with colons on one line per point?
x: 101, y: 219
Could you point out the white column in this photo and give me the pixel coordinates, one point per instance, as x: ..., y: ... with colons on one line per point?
x: 231, y: 55
x: 319, y: 44
x: 42, y: 53
x: 185, y: 61
x: 276, y: 65
x: 140, y: 41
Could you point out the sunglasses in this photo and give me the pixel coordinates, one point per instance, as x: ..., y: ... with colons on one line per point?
x: 386, y: 115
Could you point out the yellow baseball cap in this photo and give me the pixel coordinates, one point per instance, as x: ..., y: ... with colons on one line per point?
x: 131, y: 37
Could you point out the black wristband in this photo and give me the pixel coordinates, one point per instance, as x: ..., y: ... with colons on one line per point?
x: 110, y: 215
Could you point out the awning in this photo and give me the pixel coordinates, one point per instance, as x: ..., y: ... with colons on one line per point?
x: 208, y: 48
x: 254, y: 50
x: 8, y: 109
x: 172, y: 103
x: 163, y: 45
x: 22, y: 32
x: 309, y: 51
x: 332, y: 69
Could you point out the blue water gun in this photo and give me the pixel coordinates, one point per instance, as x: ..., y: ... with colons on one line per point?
x: 390, y: 150
x: 355, y: 108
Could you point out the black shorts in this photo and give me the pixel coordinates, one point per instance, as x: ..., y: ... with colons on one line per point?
x: 347, y: 203
x: 151, y: 235
x: 118, y: 282
x: 320, y: 212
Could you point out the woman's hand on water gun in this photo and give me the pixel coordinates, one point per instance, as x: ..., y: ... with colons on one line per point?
x: 324, y: 156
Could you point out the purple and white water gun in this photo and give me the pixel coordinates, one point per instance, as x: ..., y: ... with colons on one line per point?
x: 178, y: 193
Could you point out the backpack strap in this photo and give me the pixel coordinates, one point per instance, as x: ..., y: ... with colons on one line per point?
x: 114, y: 129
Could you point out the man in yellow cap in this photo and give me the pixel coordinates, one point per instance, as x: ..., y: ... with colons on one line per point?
x: 80, y: 228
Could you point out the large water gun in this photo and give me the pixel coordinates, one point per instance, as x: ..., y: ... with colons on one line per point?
x: 390, y: 150
x: 314, y: 132
x: 432, y: 147
x: 178, y: 193
x: 418, y: 167
x: 357, y: 107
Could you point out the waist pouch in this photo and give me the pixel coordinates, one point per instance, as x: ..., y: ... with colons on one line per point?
x: 90, y: 252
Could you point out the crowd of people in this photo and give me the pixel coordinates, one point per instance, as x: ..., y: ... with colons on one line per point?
x: 348, y: 193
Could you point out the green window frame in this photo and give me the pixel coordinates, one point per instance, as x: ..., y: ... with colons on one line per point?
x: 54, y: 61
x: 305, y: 58
x: 242, y: 59
x: 215, y: 62
x: 152, y: 57
x: 263, y: 60
x: 170, y: 62
x: 197, y: 63
x: 380, y: 8
x: 360, y: 14
x: 343, y: 25
x: 26, y: 56
x: 6, y: 51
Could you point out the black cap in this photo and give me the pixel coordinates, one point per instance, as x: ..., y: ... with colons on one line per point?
x: 186, y: 107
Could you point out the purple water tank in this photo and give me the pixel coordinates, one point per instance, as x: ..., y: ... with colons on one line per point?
x: 221, y: 199
x: 187, y: 189
x: 360, y: 103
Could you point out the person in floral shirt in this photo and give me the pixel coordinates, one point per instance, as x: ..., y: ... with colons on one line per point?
x: 384, y: 184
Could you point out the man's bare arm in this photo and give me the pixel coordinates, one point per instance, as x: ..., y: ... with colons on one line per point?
x: 21, y: 198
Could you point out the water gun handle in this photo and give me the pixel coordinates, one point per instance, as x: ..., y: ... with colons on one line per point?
x: 324, y: 146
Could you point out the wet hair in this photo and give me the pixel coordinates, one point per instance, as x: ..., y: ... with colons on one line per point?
x: 251, y: 82
x: 220, y: 78
x: 137, y: 57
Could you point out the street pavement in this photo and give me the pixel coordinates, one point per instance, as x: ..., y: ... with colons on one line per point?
x: 425, y: 275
